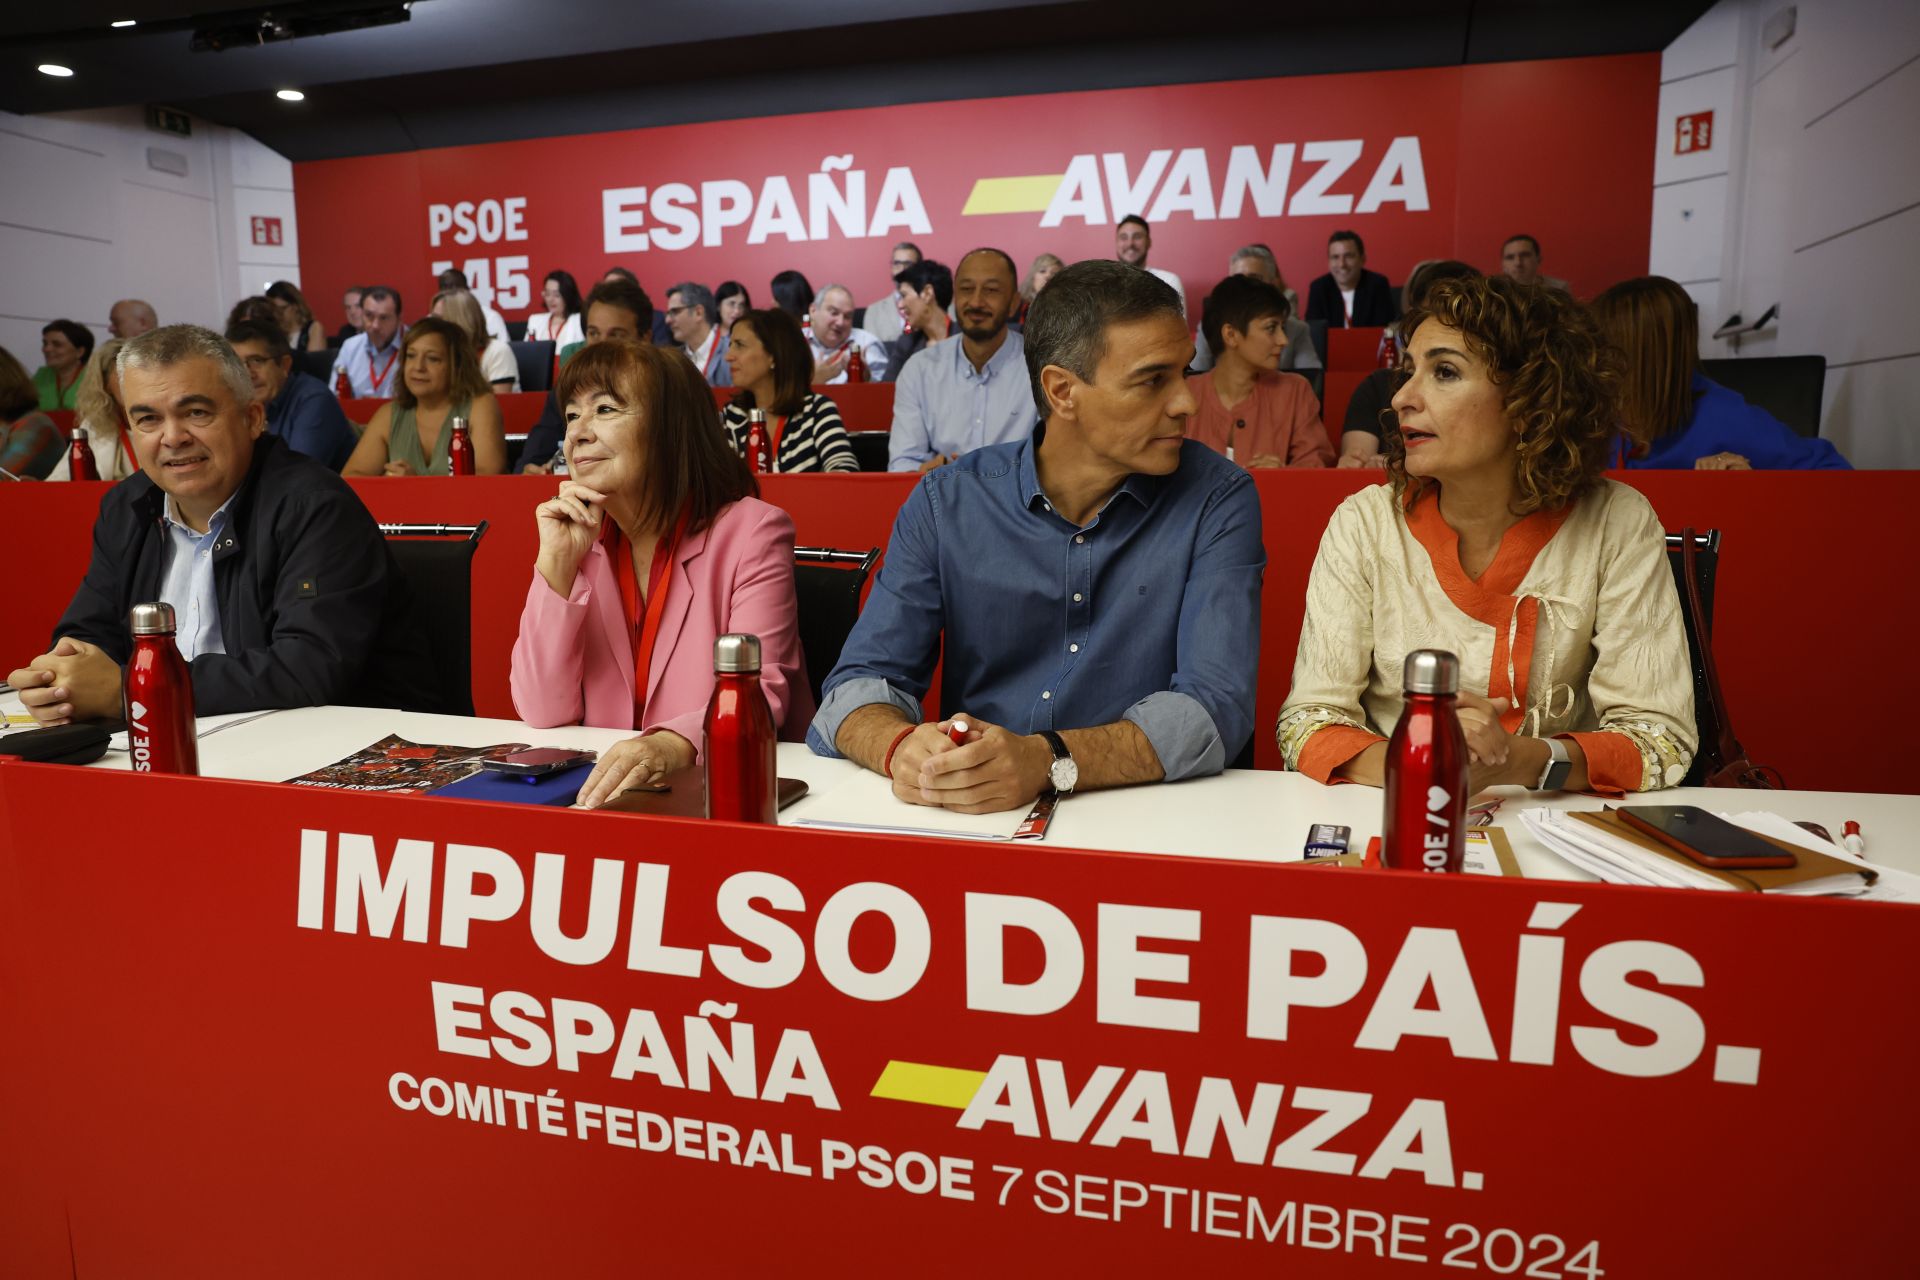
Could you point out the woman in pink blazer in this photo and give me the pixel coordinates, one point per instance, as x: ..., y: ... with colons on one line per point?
x: 655, y: 545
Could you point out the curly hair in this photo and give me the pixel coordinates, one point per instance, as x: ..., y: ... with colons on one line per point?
x: 1559, y: 382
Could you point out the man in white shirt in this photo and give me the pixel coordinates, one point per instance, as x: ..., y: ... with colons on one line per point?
x: 690, y: 313
x: 1132, y: 241
x: 371, y: 358
x: 883, y: 319
x: 496, y: 323
x: 965, y: 393
x: 830, y: 331
x: 1520, y: 261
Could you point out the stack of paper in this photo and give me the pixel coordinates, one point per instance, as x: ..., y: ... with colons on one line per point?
x: 1601, y: 845
x: 865, y: 802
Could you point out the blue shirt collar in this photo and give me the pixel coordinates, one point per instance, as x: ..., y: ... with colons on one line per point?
x: 214, y: 526
x: 996, y: 363
x: 1141, y: 488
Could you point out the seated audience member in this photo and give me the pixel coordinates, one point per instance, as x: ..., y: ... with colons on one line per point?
x: 691, y: 313
x: 561, y: 322
x: 258, y: 309
x: 497, y: 365
x: 304, y: 333
x: 1520, y: 263
x: 30, y: 444
x: 299, y: 408
x: 350, y: 304
x: 1045, y: 267
x: 300, y: 607
x: 130, y: 318
x: 98, y: 411
x: 655, y: 546
x: 495, y: 323
x: 1247, y: 409
x: 616, y: 311
x: 440, y: 381
x: 1370, y: 416
x: 371, y: 358
x: 771, y: 363
x: 1500, y: 540
x: 733, y: 301
x: 1132, y: 242
x: 657, y: 332
x: 956, y: 397
x: 1673, y: 415
x: 65, y: 346
x: 830, y: 330
x: 921, y: 294
x: 792, y: 294
x: 1257, y: 260
x: 1093, y: 589
x: 1349, y: 296
x: 883, y: 318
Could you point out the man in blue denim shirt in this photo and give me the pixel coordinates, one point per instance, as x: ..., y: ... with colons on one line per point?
x: 1094, y: 590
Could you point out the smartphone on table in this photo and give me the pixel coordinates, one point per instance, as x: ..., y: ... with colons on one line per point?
x: 536, y: 762
x: 1706, y: 838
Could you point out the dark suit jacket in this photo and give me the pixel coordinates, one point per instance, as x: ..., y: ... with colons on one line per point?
x: 1372, y: 302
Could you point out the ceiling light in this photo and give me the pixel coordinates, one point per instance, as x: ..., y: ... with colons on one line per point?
x: 291, y: 95
x: 54, y: 69
x: 124, y: 22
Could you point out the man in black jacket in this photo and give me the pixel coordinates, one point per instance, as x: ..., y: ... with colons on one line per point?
x: 282, y: 586
x: 1349, y: 296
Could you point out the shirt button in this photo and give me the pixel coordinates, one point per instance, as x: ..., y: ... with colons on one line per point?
x: 1079, y: 537
x: 1045, y: 694
x: 1073, y: 648
x: 1076, y: 597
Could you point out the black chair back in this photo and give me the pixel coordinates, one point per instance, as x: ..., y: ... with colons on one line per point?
x: 318, y: 364
x: 437, y: 562
x: 535, y: 361
x: 828, y: 584
x: 1788, y: 387
x: 1318, y: 330
x: 871, y: 448
x: 1707, y: 714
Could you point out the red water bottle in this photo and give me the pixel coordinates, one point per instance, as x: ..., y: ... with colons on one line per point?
x: 759, y: 452
x: 460, y: 450
x: 159, y: 697
x: 80, y: 464
x: 738, y: 738
x: 1389, y: 351
x: 856, y: 365
x: 1426, y: 815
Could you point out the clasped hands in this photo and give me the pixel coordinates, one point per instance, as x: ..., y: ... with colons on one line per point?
x: 993, y: 770
x: 1497, y: 757
x: 76, y: 681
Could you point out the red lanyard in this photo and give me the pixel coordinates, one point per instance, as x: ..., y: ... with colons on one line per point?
x: 706, y: 370
x: 381, y: 376
x: 645, y: 630
x: 127, y: 444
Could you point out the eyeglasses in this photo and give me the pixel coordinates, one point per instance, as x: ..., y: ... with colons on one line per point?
x: 678, y: 311
x: 258, y: 363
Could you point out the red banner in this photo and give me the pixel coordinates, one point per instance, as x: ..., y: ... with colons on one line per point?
x: 352, y: 1034
x: 1442, y: 162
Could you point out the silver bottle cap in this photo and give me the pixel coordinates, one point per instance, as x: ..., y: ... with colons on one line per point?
x: 459, y: 424
x: 1431, y: 671
x: 154, y: 619
x: 78, y: 433
x: 757, y: 415
x: 736, y: 654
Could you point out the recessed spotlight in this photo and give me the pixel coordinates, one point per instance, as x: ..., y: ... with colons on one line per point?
x: 291, y: 95
x: 124, y: 22
x: 55, y: 69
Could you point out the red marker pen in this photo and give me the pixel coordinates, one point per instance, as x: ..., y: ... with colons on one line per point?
x: 957, y: 732
x: 1850, y: 840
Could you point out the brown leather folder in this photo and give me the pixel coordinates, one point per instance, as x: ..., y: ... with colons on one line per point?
x: 683, y: 794
x: 1812, y: 865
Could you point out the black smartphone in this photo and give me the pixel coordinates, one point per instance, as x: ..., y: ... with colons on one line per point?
x: 1709, y: 840
x: 537, y: 762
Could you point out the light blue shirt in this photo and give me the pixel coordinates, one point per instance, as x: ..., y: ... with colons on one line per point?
x: 187, y: 582
x: 371, y: 374
x: 943, y: 405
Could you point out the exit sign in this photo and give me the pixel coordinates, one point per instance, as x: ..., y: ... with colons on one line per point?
x: 170, y: 121
x: 266, y: 231
x: 1693, y: 133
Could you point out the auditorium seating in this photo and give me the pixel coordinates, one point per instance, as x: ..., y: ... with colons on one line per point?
x: 1788, y: 387
x: 1353, y: 349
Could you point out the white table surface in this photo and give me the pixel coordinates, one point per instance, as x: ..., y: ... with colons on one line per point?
x: 1256, y: 815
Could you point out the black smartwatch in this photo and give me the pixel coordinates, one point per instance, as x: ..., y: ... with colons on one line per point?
x: 1064, y: 775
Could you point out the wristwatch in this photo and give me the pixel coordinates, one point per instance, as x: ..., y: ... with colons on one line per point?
x: 1064, y: 775
x: 1559, y: 766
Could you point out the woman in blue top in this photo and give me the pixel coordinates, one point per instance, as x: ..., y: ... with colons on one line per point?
x: 1675, y: 418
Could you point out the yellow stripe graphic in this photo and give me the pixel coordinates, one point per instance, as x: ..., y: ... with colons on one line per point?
x: 931, y: 1085
x: 1013, y: 195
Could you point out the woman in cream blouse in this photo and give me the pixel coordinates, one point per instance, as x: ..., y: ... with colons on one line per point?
x: 1499, y: 539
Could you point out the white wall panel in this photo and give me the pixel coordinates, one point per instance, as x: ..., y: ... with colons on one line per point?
x: 1852, y: 43
x: 1871, y: 412
x: 69, y: 193
x: 1855, y: 163
x: 1688, y: 226
x: 1713, y: 41
x: 1853, y: 298
x: 1714, y: 92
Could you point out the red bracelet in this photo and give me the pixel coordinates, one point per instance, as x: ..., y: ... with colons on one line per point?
x: 886, y: 766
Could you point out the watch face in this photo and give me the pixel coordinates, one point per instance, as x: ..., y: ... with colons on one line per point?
x: 1065, y: 774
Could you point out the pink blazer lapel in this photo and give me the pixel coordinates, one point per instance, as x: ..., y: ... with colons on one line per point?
x: 673, y: 617
x: 608, y: 613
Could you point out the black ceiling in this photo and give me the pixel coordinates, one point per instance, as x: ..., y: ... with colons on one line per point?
x: 472, y: 71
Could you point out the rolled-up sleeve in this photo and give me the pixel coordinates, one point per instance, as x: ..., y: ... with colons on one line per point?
x: 1206, y: 717
x: 889, y: 656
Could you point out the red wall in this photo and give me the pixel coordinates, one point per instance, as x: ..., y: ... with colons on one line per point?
x: 1803, y: 601
x: 1558, y: 149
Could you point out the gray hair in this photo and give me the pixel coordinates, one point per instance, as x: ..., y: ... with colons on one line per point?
x: 697, y: 295
x: 908, y: 244
x: 1258, y: 251
x: 1070, y: 317
x: 178, y: 343
x: 829, y: 287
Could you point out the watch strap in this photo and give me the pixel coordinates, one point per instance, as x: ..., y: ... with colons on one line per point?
x: 1058, y: 745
